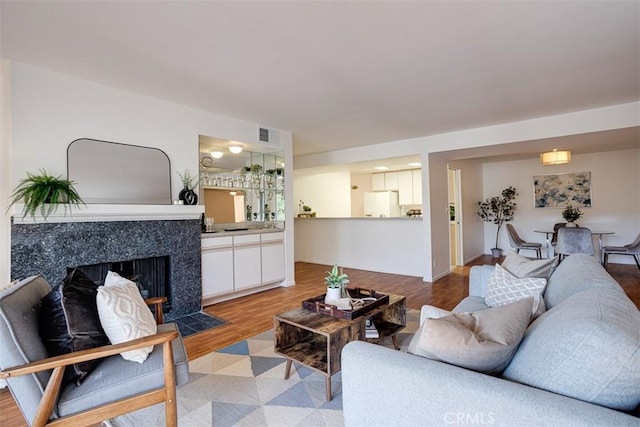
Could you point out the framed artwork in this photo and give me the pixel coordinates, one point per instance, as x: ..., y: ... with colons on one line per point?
x: 557, y: 191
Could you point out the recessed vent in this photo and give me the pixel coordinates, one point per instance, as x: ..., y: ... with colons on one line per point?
x: 267, y: 136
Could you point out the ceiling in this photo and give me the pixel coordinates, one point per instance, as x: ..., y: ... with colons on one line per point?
x: 342, y: 74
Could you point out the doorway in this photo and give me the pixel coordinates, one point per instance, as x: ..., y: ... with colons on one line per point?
x: 455, y: 217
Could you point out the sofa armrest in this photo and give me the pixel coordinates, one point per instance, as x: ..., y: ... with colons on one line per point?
x: 381, y: 386
x: 478, y: 278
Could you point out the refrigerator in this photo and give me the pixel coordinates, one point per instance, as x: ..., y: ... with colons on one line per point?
x: 381, y: 204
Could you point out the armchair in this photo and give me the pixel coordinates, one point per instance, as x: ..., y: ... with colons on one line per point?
x: 115, y: 387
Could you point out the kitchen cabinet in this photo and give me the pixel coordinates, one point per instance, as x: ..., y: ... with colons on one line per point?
x: 272, y: 247
x: 410, y: 187
x: 387, y: 181
x: 240, y: 264
x: 377, y: 182
x: 217, y: 266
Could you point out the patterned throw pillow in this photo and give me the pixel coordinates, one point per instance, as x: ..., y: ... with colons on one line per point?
x: 504, y: 288
x: 124, y: 315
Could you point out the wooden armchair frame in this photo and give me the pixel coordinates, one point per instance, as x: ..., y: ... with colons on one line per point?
x: 166, y: 394
x: 98, y: 414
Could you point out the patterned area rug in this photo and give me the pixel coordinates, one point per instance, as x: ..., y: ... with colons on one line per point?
x: 244, y: 385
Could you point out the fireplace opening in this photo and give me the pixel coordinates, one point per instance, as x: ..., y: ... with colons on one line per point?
x: 151, y: 275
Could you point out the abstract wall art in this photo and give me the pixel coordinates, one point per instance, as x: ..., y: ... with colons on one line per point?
x: 558, y: 191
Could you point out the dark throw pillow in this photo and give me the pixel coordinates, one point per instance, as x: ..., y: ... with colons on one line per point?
x: 68, y: 321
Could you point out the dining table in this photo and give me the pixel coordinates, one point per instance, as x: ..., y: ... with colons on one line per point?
x: 598, y: 233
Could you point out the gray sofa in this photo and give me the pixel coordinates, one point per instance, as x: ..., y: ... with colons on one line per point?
x: 576, y: 361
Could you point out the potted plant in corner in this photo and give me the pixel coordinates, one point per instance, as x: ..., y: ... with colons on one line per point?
x: 336, y: 282
x: 571, y: 214
x: 45, y: 193
x: 498, y: 210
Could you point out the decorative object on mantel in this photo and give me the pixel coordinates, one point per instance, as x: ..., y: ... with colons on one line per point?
x: 555, y: 191
x: 498, y: 210
x: 187, y: 194
x: 555, y: 157
x: 571, y: 214
x: 336, y: 282
x: 45, y: 193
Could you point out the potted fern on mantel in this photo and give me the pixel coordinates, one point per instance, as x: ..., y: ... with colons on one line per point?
x: 44, y: 193
x: 498, y: 210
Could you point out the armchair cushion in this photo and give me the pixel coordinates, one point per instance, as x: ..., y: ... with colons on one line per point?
x: 68, y: 321
x: 124, y: 315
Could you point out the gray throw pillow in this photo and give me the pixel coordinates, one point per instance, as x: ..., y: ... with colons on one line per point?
x: 483, y: 341
x: 522, y: 267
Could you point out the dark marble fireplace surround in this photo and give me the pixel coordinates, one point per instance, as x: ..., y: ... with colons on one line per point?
x: 49, y: 249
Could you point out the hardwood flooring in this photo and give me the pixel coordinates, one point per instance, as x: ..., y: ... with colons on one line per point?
x: 251, y: 315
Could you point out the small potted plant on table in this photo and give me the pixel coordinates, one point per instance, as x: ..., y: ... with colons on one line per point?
x: 571, y: 214
x: 336, y: 282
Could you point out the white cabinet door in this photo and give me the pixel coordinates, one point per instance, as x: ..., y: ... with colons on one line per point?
x: 417, y: 187
x: 247, y: 267
x: 377, y: 182
x: 217, y: 271
x: 272, y: 262
x: 217, y: 265
x: 391, y: 181
x: 405, y: 188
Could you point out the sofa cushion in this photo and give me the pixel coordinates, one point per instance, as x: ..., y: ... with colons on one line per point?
x: 522, y: 267
x: 124, y: 315
x: 68, y: 321
x: 432, y: 312
x: 576, y: 273
x: 471, y: 304
x: 505, y: 288
x: 587, y: 347
x: 483, y: 341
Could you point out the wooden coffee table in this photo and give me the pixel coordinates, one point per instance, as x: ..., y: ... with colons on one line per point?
x: 316, y: 340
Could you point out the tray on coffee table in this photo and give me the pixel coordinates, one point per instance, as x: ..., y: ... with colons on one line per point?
x: 318, y: 305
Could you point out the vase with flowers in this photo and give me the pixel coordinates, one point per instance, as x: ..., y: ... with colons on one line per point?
x: 187, y: 195
x: 571, y: 214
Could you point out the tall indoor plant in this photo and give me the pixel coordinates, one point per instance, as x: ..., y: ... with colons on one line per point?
x: 498, y: 210
x: 45, y: 193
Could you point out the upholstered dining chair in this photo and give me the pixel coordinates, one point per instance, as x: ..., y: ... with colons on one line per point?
x: 554, y: 237
x: 518, y: 243
x: 632, y: 249
x: 574, y: 240
x: 115, y: 387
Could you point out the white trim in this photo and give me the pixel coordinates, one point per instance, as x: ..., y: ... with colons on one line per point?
x: 100, y: 213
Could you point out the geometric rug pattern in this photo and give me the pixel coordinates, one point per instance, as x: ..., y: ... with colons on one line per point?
x: 244, y: 385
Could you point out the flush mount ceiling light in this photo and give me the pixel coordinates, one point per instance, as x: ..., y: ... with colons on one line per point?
x: 235, y: 149
x: 555, y: 157
x: 381, y: 168
x: 415, y: 164
x: 217, y: 154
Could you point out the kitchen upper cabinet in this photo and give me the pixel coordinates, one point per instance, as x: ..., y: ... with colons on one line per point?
x: 387, y: 181
x: 377, y: 182
x: 410, y: 187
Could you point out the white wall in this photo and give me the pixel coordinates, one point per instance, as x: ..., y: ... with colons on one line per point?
x: 49, y: 110
x: 5, y: 169
x: 363, y: 182
x: 615, y: 190
x: 327, y: 194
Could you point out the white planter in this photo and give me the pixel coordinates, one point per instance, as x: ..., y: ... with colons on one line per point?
x: 333, y: 294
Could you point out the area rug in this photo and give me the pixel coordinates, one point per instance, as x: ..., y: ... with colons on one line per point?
x: 244, y: 385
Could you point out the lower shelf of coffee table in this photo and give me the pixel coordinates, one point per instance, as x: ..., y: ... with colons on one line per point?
x: 312, y: 353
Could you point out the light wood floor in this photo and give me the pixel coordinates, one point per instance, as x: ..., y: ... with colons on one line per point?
x: 253, y: 314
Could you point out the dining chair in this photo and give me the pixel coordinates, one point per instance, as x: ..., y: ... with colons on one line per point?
x: 556, y: 227
x: 632, y: 249
x: 574, y: 240
x: 518, y: 243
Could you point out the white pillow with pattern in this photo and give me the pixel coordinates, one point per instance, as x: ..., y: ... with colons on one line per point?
x: 505, y: 288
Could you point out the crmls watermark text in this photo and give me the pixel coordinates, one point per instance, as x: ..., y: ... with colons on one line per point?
x: 470, y: 418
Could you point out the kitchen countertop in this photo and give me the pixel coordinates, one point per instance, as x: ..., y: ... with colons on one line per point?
x: 238, y: 232
x: 412, y: 218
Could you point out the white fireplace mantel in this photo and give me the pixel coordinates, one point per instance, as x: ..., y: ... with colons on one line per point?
x: 99, y: 213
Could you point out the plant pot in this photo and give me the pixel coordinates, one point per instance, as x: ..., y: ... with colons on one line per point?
x: 496, y: 252
x: 189, y: 197
x: 571, y: 224
x: 333, y: 294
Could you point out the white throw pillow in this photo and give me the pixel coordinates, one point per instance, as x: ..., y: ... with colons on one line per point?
x: 432, y: 312
x: 484, y: 341
x: 124, y: 316
x: 505, y: 288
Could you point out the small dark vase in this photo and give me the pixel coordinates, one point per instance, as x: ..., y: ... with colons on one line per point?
x: 189, y: 197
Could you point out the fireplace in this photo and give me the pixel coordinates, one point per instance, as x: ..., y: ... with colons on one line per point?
x: 50, y: 249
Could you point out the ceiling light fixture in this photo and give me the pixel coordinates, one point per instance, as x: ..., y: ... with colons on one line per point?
x: 555, y: 157
x: 235, y: 149
x: 217, y: 154
x: 381, y: 168
x: 415, y: 164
